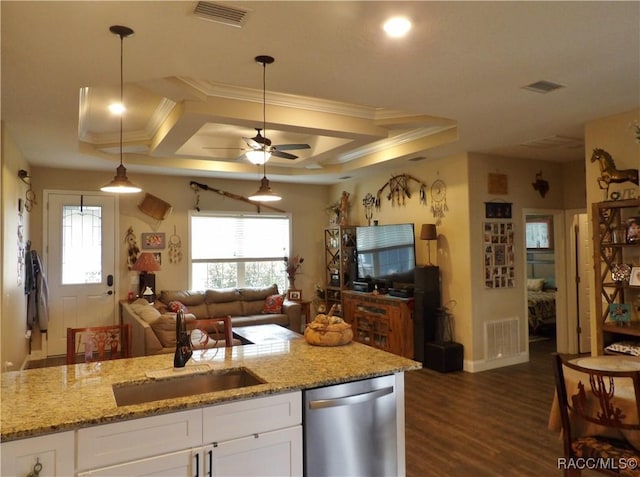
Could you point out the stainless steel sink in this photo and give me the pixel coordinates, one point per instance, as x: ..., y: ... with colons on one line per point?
x: 188, y: 385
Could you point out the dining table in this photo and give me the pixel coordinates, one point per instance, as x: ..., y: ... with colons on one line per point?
x: 625, y: 398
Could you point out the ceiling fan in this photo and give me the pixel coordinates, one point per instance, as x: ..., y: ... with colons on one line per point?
x: 260, y: 146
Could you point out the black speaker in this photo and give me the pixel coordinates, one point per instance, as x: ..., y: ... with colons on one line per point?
x: 427, y: 302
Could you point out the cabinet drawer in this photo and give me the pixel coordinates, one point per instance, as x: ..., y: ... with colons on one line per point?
x: 251, y: 416
x: 119, y: 442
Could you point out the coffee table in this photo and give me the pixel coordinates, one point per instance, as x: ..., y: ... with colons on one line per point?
x: 259, y: 334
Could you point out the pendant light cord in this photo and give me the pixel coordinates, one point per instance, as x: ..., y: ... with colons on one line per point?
x: 121, y: 90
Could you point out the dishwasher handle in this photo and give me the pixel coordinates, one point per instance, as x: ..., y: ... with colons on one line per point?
x: 348, y: 400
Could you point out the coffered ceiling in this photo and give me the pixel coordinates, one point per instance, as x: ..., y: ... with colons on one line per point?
x: 362, y: 101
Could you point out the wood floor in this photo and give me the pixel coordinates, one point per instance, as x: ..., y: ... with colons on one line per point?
x: 487, y: 424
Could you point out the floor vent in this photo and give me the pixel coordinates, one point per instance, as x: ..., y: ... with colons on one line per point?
x: 502, y: 338
x: 227, y: 14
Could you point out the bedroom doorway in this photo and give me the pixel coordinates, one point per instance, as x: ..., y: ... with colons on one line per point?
x: 545, y: 278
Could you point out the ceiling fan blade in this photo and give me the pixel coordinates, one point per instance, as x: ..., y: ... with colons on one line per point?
x: 283, y: 155
x: 291, y: 147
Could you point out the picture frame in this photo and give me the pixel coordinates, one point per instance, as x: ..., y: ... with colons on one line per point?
x: 620, y: 312
x: 294, y: 295
x: 153, y: 241
x: 497, y: 210
x: 634, y: 280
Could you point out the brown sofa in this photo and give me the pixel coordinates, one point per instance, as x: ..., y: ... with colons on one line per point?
x: 153, y: 325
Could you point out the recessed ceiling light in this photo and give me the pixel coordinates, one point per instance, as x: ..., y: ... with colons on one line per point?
x: 397, y: 27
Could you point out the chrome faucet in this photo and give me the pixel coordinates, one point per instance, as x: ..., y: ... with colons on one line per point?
x: 183, y: 342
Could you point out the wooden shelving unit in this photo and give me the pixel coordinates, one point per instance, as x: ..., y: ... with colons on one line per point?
x: 340, y: 262
x: 609, y: 250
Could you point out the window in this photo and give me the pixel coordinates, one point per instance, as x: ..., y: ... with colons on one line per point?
x: 81, y: 244
x: 233, y: 250
x: 539, y: 232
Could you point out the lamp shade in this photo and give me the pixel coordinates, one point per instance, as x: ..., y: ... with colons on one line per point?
x: 428, y: 232
x: 264, y: 193
x: 146, y: 262
x: 258, y: 157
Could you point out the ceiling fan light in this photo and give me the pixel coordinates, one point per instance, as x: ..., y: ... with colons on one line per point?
x: 258, y: 157
x: 264, y: 193
x: 121, y: 183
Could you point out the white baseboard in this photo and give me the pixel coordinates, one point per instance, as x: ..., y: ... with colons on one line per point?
x: 485, y: 365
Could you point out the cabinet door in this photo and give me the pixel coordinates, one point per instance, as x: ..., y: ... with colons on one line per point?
x: 276, y: 453
x: 54, y: 452
x: 176, y: 464
x: 127, y: 441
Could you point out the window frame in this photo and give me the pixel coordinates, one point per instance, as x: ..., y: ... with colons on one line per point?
x: 235, y: 214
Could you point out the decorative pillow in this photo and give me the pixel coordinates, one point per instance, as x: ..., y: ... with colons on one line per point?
x: 273, y: 304
x: 535, y: 284
x: 175, y: 306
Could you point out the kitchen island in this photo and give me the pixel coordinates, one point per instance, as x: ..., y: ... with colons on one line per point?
x: 60, y: 399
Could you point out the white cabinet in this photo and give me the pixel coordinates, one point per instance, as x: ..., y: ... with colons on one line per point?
x: 174, y: 464
x: 277, y: 453
x: 256, y: 437
x: 128, y: 441
x: 55, y: 452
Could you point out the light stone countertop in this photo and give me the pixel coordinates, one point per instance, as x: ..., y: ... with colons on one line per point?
x: 43, y: 401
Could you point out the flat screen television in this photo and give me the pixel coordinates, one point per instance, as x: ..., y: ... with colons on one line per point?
x: 386, y: 252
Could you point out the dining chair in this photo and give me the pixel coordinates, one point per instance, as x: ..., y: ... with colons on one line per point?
x: 599, y: 411
x: 220, y: 328
x: 100, y: 343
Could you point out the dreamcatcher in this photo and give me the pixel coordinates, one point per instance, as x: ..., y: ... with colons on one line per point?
x: 175, y: 247
x: 438, y: 200
x: 132, y: 248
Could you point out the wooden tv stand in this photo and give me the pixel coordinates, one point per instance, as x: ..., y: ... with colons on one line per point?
x: 381, y: 321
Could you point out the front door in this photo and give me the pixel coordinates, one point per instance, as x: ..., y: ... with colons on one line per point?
x: 80, y: 262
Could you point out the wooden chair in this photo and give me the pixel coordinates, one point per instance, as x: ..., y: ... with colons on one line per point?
x: 599, y: 410
x: 211, y: 328
x: 100, y: 343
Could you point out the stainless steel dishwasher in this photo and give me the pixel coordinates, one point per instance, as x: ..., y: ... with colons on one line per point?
x: 350, y: 429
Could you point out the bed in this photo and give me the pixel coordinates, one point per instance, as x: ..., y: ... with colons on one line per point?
x: 541, y: 296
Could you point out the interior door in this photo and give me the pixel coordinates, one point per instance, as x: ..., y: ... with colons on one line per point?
x: 584, y: 269
x: 80, y: 262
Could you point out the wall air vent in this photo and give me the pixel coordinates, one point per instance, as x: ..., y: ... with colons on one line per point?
x: 226, y: 14
x: 543, y: 86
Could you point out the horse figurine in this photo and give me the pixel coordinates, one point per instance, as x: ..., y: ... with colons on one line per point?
x: 608, y: 171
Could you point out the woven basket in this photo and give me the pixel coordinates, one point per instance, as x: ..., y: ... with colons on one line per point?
x: 320, y: 334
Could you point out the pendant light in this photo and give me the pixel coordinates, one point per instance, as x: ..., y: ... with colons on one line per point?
x: 120, y: 183
x: 264, y: 193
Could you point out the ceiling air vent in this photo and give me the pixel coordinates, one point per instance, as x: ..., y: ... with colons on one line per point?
x: 227, y: 14
x: 543, y: 86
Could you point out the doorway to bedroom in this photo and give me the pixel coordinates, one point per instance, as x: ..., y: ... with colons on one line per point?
x: 541, y: 277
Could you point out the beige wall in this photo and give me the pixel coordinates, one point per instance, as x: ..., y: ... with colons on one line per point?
x: 13, y: 319
x: 460, y: 253
x: 616, y: 135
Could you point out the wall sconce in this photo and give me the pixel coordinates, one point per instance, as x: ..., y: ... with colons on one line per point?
x: 429, y: 233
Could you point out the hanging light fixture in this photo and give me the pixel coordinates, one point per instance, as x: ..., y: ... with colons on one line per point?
x: 264, y: 193
x: 120, y: 183
x: 262, y: 155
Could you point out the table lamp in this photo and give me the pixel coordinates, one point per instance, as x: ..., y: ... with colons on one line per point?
x: 146, y: 264
x: 429, y: 233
